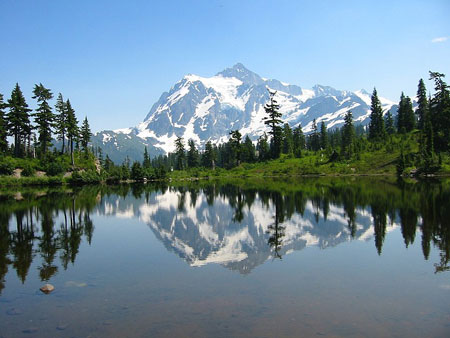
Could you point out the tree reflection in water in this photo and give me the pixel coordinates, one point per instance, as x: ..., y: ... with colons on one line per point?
x: 52, y: 223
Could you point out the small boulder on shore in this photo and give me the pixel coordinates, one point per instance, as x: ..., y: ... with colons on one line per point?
x: 47, y: 288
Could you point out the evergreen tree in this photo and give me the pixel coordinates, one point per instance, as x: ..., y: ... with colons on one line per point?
x: 235, y: 147
x: 248, y: 151
x: 376, y: 126
x: 401, y: 115
x: 323, y: 136
x: 440, y: 112
x: 209, y: 156
x: 61, y: 120
x: 273, y: 120
x: 389, y: 122
x: 314, y: 137
x: 44, y: 117
x: 193, y: 158
x: 348, y: 136
x: 262, y: 146
x: 3, y: 128
x: 18, y: 120
x: 146, y: 163
x: 288, y: 139
x: 299, y: 141
x: 72, y: 128
x: 85, y: 135
x: 422, y: 101
x: 410, y: 117
x: 180, y: 154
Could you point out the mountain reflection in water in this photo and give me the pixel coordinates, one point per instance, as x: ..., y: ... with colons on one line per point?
x: 239, y: 225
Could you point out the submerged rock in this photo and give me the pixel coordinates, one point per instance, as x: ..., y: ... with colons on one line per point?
x: 30, y: 330
x: 62, y: 326
x: 47, y: 288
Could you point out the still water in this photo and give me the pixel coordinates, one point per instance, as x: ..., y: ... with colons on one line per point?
x: 283, y: 258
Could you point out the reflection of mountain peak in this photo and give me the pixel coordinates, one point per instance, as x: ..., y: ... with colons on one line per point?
x: 204, y: 234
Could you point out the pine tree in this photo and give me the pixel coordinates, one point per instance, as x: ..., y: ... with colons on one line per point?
x: 440, y: 112
x: 235, y: 147
x: 61, y: 120
x: 72, y: 128
x: 85, y: 135
x: 273, y: 120
x: 3, y: 127
x: 410, y: 117
x: 288, y: 139
x: 348, y: 136
x: 210, y: 156
x: 389, y: 123
x: 376, y: 126
x: 193, y: 159
x: 262, y: 146
x: 18, y: 120
x: 314, y: 137
x: 299, y: 141
x: 323, y: 136
x: 401, y: 118
x: 248, y: 151
x: 422, y: 101
x: 146, y: 164
x: 44, y: 117
x: 180, y: 154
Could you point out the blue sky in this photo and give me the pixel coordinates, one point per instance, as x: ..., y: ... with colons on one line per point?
x: 113, y: 59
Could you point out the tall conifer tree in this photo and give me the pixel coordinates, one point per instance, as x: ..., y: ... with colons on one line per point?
x: 440, y: 112
x: 18, y: 118
x: 348, y: 136
x: 3, y: 127
x: 146, y: 163
x: 299, y: 141
x: 193, y: 158
x: 422, y: 102
x: 323, y: 135
x: 85, y: 135
x: 44, y: 117
x: 72, y: 128
x: 273, y: 120
x: 376, y: 126
x: 61, y: 120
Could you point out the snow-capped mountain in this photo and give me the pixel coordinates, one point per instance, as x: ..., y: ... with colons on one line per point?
x: 207, y: 108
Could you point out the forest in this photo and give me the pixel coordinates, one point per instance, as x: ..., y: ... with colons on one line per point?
x: 415, y: 142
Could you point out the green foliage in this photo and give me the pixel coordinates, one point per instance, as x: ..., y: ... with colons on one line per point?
x: 3, y: 127
x: 137, y: 172
x: 18, y: 120
x: 28, y: 169
x: 376, y: 126
x: 44, y: 117
x: 85, y: 134
x: 7, y: 166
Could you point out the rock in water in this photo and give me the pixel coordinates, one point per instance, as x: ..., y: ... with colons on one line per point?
x: 47, y: 288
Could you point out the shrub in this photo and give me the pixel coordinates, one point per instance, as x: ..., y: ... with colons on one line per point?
x: 28, y: 170
x: 6, y: 167
x: 54, y: 168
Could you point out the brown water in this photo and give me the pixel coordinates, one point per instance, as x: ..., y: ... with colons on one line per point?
x: 279, y: 259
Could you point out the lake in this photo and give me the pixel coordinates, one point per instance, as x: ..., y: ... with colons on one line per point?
x: 296, y: 257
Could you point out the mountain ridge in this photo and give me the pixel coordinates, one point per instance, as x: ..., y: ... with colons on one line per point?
x: 207, y: 108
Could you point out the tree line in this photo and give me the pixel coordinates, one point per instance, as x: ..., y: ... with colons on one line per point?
x: 32, y: 132
x: 429, y: 123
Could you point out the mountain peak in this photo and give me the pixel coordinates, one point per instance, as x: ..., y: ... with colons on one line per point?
x: 240, y: 72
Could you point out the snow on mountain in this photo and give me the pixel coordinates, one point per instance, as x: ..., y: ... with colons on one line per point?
x: 207, y: 108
